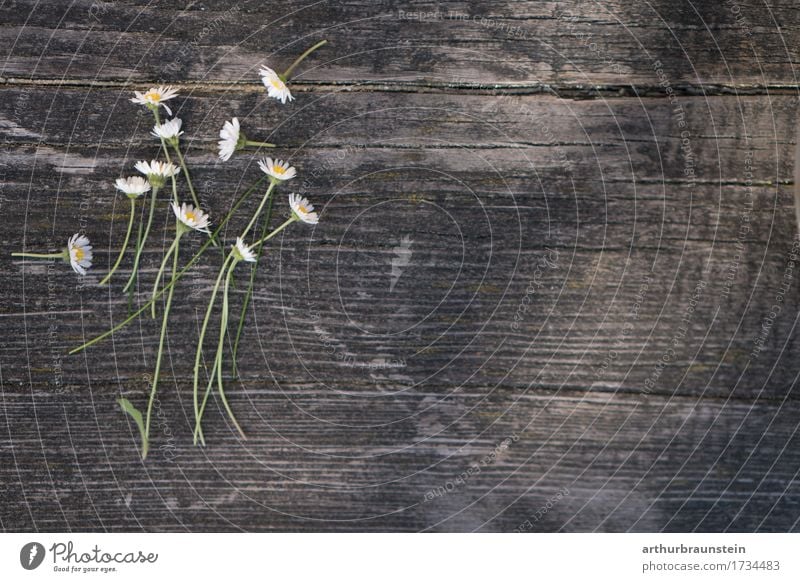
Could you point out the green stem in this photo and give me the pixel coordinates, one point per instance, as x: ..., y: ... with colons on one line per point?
x: 172, y: 248
x: 199, y: 353
x: 276, y: 231
x: 167, y: 156
x: 198, y: 431
x: 129, y: 286
x: 146, y: 443
x: 249, y: 294
x: 175, y: 279
x: 182, y: 162
x: 224, y: 326
x: 142, y: 241
x: 216, y: 372
x: 260, y: 144
x: 60, y: 255
x: 300, y: 59
x: 223, y: 331
x: 163, y: 141
x: 185, y: 169
x: 124, y: 244
x: 174, y: 190
x: 259, y: 209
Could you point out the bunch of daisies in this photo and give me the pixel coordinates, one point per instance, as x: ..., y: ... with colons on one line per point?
x: 191, y: 220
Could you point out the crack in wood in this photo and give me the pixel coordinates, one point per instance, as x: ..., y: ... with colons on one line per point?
x: 565, y: 91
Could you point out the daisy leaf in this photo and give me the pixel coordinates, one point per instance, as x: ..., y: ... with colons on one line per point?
x: 130, y: 409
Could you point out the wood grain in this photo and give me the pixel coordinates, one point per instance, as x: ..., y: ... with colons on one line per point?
x: 595, y: 246
x: 614, y: 43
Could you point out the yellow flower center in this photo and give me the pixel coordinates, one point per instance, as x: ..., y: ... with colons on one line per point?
x: 153, y: 96
x: 191, y: 216
x: 278, y: 84
x: 302, y: 209
x: 79, y: 254
x: 279, y: 170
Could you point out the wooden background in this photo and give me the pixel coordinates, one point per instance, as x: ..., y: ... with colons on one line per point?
x: 598, y: 309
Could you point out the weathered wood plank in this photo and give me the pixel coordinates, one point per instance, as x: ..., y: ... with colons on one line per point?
x: 696, y: 139
x: 393, y: 462
x: 578, y: 279
x: 636, y: 229
x: 567, y: 43
x: 480, y: 334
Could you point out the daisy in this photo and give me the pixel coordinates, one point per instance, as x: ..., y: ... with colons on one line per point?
x: 190, y: 216
x: 230, y: 141
x: 80, y: 253
x: 242, y: 252
x: 155, y: 97
x: 276, y: 83
x: 133, y: 186
x: 234, y: 139
x: 163, y: 169
x: 169, y: 130
x: 302, y: 209
x: 277, y: 169
x: 276, y: 86
x: 157, y: 172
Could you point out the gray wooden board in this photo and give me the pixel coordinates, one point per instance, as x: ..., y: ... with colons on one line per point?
x: 580, y: 340
x: 734, y: 44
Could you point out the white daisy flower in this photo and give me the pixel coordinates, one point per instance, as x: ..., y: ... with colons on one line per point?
x: 80, y: 253
x: 157, y: 172
x: 276, y: 87
x: 190, y: 216
x: 234, y: 139
x: 302, y: 209
x: 243, y: 252
x: 277, y: 169
x: 168, y: 130
x: 155, y: 97
x: 133, y: 186
x: 163, y: 169
x: 230, y: 139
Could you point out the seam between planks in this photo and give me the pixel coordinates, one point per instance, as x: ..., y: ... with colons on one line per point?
x: 565, y: 91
